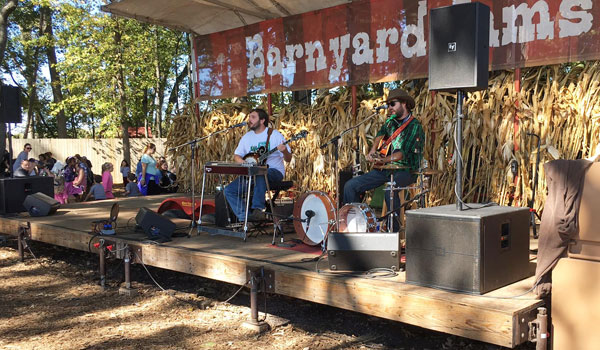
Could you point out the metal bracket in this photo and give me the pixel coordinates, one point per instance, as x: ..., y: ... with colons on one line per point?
x: 267, y: 276
x: 136, y: 254
x: 523, y: 328
x: 25, y: 230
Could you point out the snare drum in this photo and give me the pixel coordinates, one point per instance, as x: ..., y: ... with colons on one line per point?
x: 319, y: 206
x: 357, y: 217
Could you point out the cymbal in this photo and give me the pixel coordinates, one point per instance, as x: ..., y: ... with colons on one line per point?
x: 391, y: 167
x: 427, y: 172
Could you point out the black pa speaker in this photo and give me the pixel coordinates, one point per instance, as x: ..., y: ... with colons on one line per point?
x: 459, y: 38
x: 474, y: 251
x: 39, y: 204
x: 155, y: 225
x: 10, y: 104
x: 13, y: 191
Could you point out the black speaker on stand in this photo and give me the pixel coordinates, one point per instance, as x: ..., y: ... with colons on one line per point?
x: 156, y: 226
x: 10, y: 111
x: 459, y: 38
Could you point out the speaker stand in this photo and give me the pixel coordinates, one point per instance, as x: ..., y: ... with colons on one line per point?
x: 460, y: 95
x: 10, y: 152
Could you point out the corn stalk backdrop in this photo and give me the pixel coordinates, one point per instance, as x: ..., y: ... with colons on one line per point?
x: 560, y: 103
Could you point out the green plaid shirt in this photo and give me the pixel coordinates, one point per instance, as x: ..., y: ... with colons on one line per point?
x: 410, y: 141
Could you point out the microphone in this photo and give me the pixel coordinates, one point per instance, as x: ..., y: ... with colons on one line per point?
x: 383, y: 106
x: 309, y: 215
x: 238, y: 125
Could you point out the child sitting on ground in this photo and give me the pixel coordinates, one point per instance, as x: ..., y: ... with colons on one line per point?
x: 131, y: 189
x: 97, y: 190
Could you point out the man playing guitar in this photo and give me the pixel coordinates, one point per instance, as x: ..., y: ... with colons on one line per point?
x: 396, y: 149
x: 259, y: 139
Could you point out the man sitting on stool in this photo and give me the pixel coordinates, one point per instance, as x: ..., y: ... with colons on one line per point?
x: 258, y: 136
x: 406, y: 146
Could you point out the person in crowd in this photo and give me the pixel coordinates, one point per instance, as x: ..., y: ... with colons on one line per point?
x: 131, y: 189
x: 125, y: 169
x: 97, y: 191
x: 259, y: 135
x: 5, y: 165
x: 22, y: 156
x: 50, y: 159
x: 148, y: 180
x: 34, y: 167
x: 60, y: 193
x: 71, y: 173
x: 168, y: 180
x: 107, y: 179
x: 25, y: 169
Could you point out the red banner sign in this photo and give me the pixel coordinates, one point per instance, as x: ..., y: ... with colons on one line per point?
x: 382, y: 40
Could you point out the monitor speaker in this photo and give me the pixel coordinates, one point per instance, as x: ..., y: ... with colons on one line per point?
x: 459, y: 47
x: 155, y: 225
x: 10, y: 104
x: 39, y: 204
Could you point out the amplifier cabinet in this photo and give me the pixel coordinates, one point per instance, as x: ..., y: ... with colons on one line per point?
x: 473, y: 250
x: 13, y: 191
x: 363, y: 251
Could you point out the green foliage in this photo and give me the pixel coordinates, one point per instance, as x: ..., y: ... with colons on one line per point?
x: 99, y: 56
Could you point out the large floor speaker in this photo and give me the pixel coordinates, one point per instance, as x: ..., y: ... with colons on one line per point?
x: 10, y: 104
x: 13, y: 191
x: 474, y: 251
x: 459, y: 47
x: 154, y: 225
x: 39, y: 204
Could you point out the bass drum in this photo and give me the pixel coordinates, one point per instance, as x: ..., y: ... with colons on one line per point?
x: 319, y: 206
x: 357, y: 217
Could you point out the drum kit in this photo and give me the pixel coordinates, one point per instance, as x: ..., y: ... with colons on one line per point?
x: 315, y: 213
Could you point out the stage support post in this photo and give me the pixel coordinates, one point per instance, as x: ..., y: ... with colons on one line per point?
x: 126, y: 287
x: 256, y: 281
x: 102, y: 261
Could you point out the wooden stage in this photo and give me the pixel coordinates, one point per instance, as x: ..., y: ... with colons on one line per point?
x: 492, y: 320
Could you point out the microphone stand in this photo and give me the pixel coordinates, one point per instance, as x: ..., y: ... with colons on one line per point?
x: 192, y: 144
x: 335, y: 141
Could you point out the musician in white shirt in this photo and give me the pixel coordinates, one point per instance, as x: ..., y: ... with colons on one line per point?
x: 255, y: 140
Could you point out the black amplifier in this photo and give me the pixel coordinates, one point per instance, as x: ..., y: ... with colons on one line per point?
x: 363, y: 251
x: 473, y: 250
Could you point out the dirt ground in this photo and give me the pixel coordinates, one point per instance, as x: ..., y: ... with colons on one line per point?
x: 54, y: 302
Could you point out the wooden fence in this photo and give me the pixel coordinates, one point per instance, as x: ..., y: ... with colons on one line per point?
x: 97, y: 151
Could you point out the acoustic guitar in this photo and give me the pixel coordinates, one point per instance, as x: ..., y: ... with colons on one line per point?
x: 260, y: 156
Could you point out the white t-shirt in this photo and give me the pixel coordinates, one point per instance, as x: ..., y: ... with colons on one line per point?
x: 251, y: 142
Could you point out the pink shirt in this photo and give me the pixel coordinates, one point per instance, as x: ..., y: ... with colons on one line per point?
x: 107, y: 182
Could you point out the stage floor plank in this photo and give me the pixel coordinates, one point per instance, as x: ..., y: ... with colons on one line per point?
x: 486, y: 318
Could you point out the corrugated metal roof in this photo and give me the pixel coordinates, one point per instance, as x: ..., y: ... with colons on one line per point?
x: 211, y: 16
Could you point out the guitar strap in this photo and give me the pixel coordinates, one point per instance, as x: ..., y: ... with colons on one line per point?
x: 397, y: 132
x: 267, y: 145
